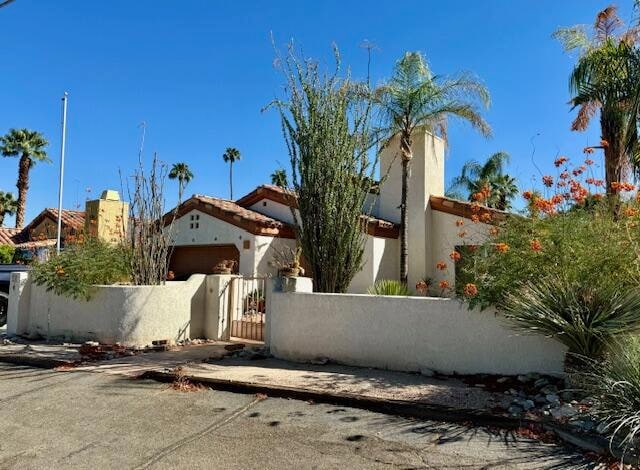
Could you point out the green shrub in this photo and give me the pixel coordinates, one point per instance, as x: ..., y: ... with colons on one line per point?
x: 584, y: 318
x: 6, y: 254
x: 389, y: 287
x: 615, y: 383
x: 78, y: 267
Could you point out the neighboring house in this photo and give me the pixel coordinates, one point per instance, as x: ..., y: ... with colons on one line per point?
x: 107, y: 218
x: 206, y: 230
x: 42, y: 230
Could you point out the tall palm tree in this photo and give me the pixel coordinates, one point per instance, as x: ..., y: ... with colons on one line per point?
x: 8, y: 206
x: 230, y: 156
x: 30, y: 147
x: 279, y: 178
x: 604, y: 80
x: 183, y: 174
x: 475, y: 176
x: 415, y: 99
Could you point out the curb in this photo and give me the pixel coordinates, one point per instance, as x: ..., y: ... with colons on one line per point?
x: 405, y: 409
x: 34, y: 361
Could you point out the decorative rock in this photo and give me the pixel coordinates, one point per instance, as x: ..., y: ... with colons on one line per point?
x: 564, y: 411
x: 515, y: 410
x: 502, y: 380
x: 541, y: 383
x: 527, y: 404
x: 523, y: 378
x: 549, y: 389
x: 553, y: 399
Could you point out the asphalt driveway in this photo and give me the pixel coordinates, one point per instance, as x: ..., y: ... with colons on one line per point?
x: 93, y: 420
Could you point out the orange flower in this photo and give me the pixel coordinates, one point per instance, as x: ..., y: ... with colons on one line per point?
x: 462, y: 234
x: 494, y: 231
x: 474, y: 218
x: 59, y: 270
x: 630, y: 212
x: 459, y: 223
x: 604, y: 143
x: 486, y: 217
x: 587, y: 150
x: 564, y: 175
x: 444, y: 285
x: 475, y: 207
x: 535, y: 245
x: 502, y: 247
x: 617, y: 186
x: 422, y: 286
x: 527, y: 195
x: 547, y: 181
x: 478, y: 196
x: 470, y: 290
x: 441, y: 265
x: 589, y: 162
x: 455, y: 256
x: 560, y: 161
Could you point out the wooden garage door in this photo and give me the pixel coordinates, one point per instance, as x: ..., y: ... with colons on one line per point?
x: 188, y: 260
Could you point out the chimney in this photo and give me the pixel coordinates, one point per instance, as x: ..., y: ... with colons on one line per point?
x: 107, y: 217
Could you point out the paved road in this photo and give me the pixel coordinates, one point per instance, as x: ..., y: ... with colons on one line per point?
x: 92, y: 420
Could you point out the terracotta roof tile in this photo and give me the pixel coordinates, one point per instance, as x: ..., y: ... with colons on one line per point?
x: 8, y: 235
x: 229, y: 211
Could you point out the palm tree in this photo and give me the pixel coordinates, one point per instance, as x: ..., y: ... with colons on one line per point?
x: 474, y: 177
x: 30, y: 147
x: 604, y: 79
x: 415, y: 99
x: 279, y: 178
x: 8, y: 206
x: 230, y: 156
x: 182, y: 173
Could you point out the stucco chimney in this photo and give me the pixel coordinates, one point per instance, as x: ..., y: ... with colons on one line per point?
x: 426, y: 178
x: 107, y: 217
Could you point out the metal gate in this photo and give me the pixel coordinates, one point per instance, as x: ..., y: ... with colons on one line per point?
x: 248, y: 308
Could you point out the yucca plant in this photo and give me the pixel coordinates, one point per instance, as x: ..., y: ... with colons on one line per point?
x: 584, y: 318
x: 615, y: 383
x: 389, y: 287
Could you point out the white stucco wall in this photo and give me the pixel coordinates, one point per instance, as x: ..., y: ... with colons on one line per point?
x: 274, y: 210
x: 212, y: 231
x: 131, y: 315
x: 404, y: 333
x: 381, y: 261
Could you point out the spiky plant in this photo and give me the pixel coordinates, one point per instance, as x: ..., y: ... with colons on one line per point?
x: 30, y: 147
x: 615, y: 383
x: 326, y: 126
x: 389, y: 287
x: 415, y: 99
x: 230, y: 156
x: 604, y: 81
x: 585, y: 318
x: 183, y: 174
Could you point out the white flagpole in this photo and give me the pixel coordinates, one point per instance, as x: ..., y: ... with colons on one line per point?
x: 60, y: 184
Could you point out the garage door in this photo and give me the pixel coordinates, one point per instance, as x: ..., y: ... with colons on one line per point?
x: 188, y: 260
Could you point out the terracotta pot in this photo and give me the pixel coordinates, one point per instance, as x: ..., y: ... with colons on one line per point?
x: 290, y: 272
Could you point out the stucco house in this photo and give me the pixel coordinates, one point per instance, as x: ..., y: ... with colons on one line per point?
x: 206, y: 230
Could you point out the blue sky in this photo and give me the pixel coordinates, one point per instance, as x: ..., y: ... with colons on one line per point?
x: 198, y: 72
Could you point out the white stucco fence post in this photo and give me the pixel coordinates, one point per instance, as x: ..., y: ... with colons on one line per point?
x: 19, y: 300
x: 286, y: 285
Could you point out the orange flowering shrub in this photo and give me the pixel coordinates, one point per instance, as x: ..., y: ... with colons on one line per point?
x: 571, y: 229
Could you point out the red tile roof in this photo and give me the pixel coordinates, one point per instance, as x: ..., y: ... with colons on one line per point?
x: 230, y: 212
x: 8, y: 235
x: 375, y: 226
x: 70, y: 219
x: 465, y: 209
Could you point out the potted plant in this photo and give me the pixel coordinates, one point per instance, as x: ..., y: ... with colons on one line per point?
x: 224, y: 267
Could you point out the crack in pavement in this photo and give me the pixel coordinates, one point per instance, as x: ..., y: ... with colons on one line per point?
x: 194, y: 437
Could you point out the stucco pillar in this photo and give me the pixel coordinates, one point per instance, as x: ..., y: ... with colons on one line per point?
x: 218, y: 305
x: 19, y: 303
x: 277, y: 286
